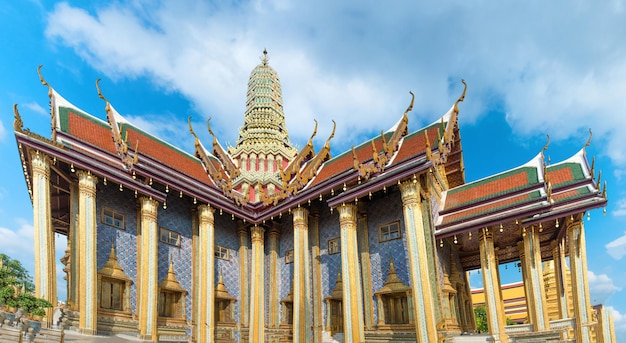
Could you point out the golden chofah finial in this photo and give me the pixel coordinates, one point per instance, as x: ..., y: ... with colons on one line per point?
x: 332, y: 134
x: 18, y: 124
x: 314, y: 133
x: 43, y: 81
x: 208, y: 124
x: 408, y: 109
x: 604, y: 191
x: 191, y: 129
x: 547, y: 144
x: 589, y: 140
x: 108, y: 105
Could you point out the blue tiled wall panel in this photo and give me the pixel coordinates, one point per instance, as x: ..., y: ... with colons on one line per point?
x: 125, y: 241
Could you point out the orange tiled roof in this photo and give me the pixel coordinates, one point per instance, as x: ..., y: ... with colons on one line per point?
x: 492, y: 207
x: 87, y: 128
x: 491, y: 187
x: 565, y: 173
x: 165, y: 153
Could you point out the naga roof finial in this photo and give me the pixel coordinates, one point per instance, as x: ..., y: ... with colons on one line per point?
x: 18, y: 124
x: 589, y: 140
x: 545, y: 147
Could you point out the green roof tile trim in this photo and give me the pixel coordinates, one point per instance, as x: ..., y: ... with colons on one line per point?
x: 532, y: 178
x: 125, y: 127
x: 523, y: 199
x: 575, y: 168
x: 64, y: 113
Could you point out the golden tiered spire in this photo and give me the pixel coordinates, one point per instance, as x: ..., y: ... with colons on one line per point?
x: 112, y: 268
x: 170, y: 282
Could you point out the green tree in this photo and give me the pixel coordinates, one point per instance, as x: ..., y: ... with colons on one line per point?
x: 480, y: 313
x: 13, y: 273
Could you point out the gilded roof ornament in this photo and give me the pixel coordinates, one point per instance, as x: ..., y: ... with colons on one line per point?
x: 121, y: 144
x: 589, y: 140
x: 170, y: 282
x: 18, y: 124
x: 112, y: 268
x: 52, y: 107
x: 303, y: 156
x: 218, y: 151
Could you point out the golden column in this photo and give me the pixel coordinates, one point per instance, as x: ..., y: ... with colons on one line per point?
x: 147, y: 292
x: 88, y: 268
x: 318, y: 325
x: 533, y: 279
x: 273, y: 279
x: 351, y: 273
x: 578, y: 270
x: 73, y: 279
x: 491, y: 285
x: 366, y: 269
x: 244, y: 274
x: 206, y: 312
x: 558, y: 255
x: 257, y: 287
x: 423, y: 309
x: 301, y: 276
x: 45, y: 265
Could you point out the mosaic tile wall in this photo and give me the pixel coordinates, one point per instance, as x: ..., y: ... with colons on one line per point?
x: 125, y: 241
x: 285, y: 270
x: 330, y: 264
x: 379, y: 212
x: 177, y: 217
x: 226, y: 236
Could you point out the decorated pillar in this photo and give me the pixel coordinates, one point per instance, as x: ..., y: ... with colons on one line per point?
x: 244, y: 275
x: 257, y: 287
x: 45, y: 266
x: 301, y: 276
x: 366, y: 274
x: 274, y: 302
x: 533, y: 281
x: 147, y: 294
x: 578, y: 270
x: 491, y: 284
x: 425, y: 323
x: 558, y: 256
x: 316, y: 267
x: 73, y: 280
x: 87, y: 218
x: 205, y: 325
x: 350, y: 271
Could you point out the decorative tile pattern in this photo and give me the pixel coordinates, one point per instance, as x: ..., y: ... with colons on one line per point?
x: 125, y: 241
x: 226, y: 236
x: 177, y: 217
x: 330, y: 264
x: 382, y: 211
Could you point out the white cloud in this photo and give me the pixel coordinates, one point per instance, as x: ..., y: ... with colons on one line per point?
x: 600, y: 287
x: 619, y: 319
x: 18, y: 243
x: 35, y: 107
x: 617, y: 248
x: 620, y: 208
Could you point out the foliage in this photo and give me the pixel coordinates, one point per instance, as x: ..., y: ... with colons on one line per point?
x: 509, y: 321
x: 13, y: 277
x: 480, y: 313
x: 13, y: 273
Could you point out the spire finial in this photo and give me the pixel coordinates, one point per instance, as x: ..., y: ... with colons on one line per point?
x: 264, y: 58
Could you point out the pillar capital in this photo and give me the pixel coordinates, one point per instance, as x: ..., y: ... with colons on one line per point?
x: 206, y: 213
x: 347, y: 215
x: 300, y: 216
x: 40, y: 162
x: 257, y: 234
x: 87, y: 183
x: 410, y: 192
x: 149, y: 207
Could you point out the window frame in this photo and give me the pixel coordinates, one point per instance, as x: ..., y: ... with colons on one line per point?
x: 113, y: 219
x: 389, y: 225
x: 218, y: 249
x: 289, y: 256
x: 330, y: 243
x: 169, y: 232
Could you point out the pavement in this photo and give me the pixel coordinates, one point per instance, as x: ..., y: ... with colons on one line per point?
x: 71, y: 336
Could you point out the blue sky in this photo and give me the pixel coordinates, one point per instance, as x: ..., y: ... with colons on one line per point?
x: 532, y: 69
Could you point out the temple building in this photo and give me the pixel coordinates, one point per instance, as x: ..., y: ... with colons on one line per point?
x: 263, y: 242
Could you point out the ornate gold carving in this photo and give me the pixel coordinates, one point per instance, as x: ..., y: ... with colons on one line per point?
x: 52, y: 107
x: 365, y: 169
x: 219, y: 152
x: 121, y: 144
x: 18, y: 124
x: 305, y: 154
x: 257, y: 234
x: 170, y: 282
x: 87, y: 183
x: 410, y: 193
